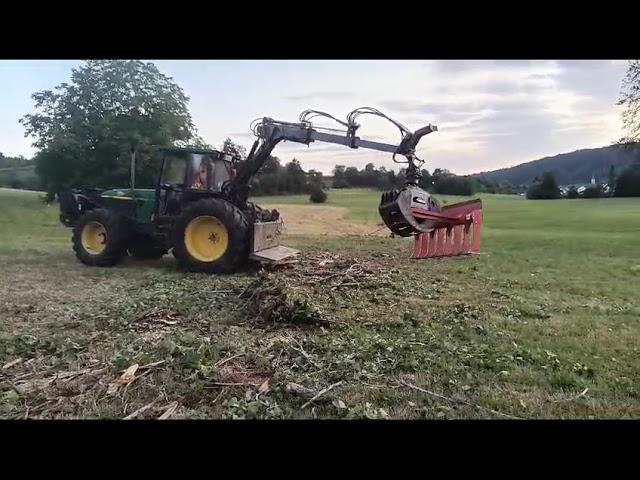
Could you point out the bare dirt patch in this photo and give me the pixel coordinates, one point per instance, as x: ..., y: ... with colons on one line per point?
x: 323, y: 220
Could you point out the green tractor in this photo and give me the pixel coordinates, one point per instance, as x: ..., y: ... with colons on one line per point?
x: 199, y: 208
x: 190, y: 212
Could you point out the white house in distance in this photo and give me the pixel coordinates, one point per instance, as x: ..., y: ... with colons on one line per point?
x: 581, y: 187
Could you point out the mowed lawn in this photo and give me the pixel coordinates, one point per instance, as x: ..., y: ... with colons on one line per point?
x: 545, y: 323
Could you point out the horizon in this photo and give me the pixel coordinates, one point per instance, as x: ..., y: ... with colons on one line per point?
x: 491, y: 114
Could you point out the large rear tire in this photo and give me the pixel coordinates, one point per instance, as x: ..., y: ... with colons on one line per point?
x: 212, y: 236
x: 100, y: 238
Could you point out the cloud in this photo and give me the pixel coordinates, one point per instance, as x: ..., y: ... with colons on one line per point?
x: 459, y: 66
x: 599, y: 79
x: 490, y: 113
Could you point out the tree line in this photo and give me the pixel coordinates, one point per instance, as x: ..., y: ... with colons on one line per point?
x: 626, y: 184
x: 439, y: 181
x: 18, y: 172
x: 289, y: 179
x: 278, y: 179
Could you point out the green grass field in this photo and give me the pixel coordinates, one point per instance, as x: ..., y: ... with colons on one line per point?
x: 544, y: 323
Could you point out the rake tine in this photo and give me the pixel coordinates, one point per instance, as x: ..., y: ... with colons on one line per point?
x: 448, y: 241
x: 477, y: 230
x: 433, y: 244
x: 442, y: 238
x: 466, y: 248
x: 458, y: 232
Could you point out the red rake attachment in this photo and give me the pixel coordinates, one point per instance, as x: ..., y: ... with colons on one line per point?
x: 447, y: 231
x: 456, y: 230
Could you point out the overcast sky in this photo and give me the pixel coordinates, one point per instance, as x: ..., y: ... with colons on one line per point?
x: 490, y: 114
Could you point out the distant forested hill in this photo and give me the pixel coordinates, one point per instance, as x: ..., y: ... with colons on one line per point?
x: 569, y: 168
x: 18, y: 172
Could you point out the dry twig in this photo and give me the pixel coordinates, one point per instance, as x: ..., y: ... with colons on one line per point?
x: 302, y: 351
x: 222, y: 362
x: 226, y: 384
x: 169, y: 411
x: 434, y: 394
x: 11, y: 363
x: 575, y: 397
x: 322, y: 392
x: 140, y: 410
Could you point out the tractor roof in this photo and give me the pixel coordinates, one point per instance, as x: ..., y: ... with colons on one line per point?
x: 189, y: 150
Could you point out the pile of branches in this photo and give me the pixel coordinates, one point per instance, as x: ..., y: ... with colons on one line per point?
x: 333, y: 271
x: 271, y: 300
x: 287, y: 296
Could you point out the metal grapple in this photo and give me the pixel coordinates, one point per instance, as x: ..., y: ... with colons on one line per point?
x: 410, y: 211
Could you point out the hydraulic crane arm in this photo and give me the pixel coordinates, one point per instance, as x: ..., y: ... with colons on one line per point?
x: 270, y: 132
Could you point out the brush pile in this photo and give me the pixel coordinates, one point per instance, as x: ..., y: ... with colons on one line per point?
x: 287, y: 297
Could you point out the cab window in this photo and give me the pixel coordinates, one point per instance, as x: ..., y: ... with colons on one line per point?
x: 200, y: 172
x: 208, y: 172
x: 175, y: 170
x: 221, y: 174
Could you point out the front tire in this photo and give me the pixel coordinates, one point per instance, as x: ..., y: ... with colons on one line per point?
x: 212, y: 236
x: 99, y: 238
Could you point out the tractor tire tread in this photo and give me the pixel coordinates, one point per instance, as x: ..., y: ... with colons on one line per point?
x: 117, y: 235
x: 237, y: 227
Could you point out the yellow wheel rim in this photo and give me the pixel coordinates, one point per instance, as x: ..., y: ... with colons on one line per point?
x: 94, y: 238
x: 206, y: 238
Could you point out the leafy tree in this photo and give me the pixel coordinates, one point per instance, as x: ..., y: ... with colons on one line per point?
x: 84, y: 130
x: 14, y: 162
x: 271, y: 165
x: 383, y: 182
x: 339, y: 179
x: 426, y: 181
x: 630, y: 99
x: 18, y: 172
x: 269, y: 178
x: 275, y: 179
x: 400, y: 177
x: 438, y: 172
x: 390, y: 181
x: 318, y: 195
x: 612, y: 179
x: 314, y: 178
x: 295, y: 180
x: 351, y: 177
x: 370, y: 177
x: 628, y: 183
x: 547, y: 188
x: 488, y: 186
x: 450, y: 184
x: 229, y: 146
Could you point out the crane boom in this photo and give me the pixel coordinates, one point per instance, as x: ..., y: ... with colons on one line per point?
x: 270, y: 132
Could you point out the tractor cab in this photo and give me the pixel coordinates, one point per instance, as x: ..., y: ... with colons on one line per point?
x: 196, y: 169
x: 187, y: 174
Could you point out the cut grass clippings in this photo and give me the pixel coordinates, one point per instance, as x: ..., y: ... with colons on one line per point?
x: 544, y: 324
